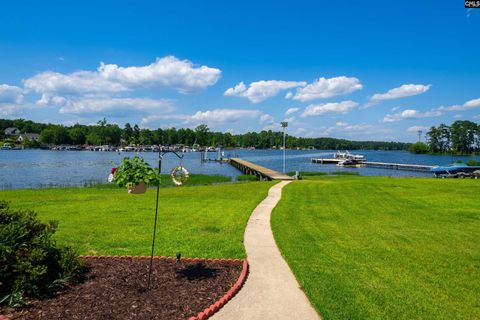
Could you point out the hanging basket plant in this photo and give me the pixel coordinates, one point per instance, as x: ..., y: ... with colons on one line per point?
x: 136, y: 175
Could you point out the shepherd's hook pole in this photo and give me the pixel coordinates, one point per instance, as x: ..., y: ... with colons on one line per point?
x: 160, y: 156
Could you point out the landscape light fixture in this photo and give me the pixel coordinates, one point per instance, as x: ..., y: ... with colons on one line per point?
x: 284, y: 124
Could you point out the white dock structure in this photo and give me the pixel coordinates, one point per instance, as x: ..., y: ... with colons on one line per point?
x: 385, y: 165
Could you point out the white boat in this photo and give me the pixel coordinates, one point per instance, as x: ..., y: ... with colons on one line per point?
x: 348, y: 156
x: 6, y: 146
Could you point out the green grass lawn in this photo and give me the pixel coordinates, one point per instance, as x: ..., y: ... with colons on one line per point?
x: 384, y: 248
x: 206, y: 221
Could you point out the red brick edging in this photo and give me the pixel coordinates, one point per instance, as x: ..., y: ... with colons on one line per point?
x: 210, y: 310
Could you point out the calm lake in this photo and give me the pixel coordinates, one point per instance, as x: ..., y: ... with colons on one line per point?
x: 45, y: 168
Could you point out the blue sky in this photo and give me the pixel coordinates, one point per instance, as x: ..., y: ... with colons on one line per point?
x: 376, y: 70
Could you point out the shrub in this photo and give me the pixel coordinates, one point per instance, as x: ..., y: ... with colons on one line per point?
x: 31, y: 265
x: 419, y: 148
x: 135, y: 170
x: 473, y: 163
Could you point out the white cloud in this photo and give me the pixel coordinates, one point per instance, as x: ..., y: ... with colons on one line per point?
x: 410, y: 114
x: 118, y: 106
x: 167, y: 72
x: 290, y: 119
x: 291, y: 110
x: 326, y: 88
x: 471, y: 104
x: 10, y: 94
x: 266, y: 118
x: 417, y: 128
x: 351, y: 127
x: 332, y: 107
x: 405, y: 90
x: 261, y: 90
x: 222, y: 115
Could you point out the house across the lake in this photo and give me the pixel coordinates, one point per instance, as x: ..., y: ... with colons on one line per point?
x: 11, y: 132
x: 28, y: 136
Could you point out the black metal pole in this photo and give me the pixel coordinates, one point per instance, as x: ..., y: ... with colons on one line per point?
x: 160, y: 156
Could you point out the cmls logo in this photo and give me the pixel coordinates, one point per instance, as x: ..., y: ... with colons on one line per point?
x: 472, y: 3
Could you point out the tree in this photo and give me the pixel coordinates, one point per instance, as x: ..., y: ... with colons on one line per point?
x: 77, y: 134
x: 127, y: 133
x: 201, y: 134
x: 419, y: 148
x: 47, y: 136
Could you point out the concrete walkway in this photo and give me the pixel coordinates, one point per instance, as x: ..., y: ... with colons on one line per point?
x: 271, y: 290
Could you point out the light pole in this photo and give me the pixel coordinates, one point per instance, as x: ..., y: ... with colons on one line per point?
x: 284, y: 124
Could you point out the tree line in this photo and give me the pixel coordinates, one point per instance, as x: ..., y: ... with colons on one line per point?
x: 461, y: 137
x: 107, y: 133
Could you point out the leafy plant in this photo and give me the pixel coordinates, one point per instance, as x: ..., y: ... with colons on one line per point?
x: 135, y: 170
x: 30, y: 262
x: 473, y: 163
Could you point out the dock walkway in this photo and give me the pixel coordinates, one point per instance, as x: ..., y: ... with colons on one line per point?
x: 259, y: 171
x: 386, y: 165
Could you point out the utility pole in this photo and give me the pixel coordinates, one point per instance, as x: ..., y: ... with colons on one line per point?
x: 284, y: 124
x: 420, y: 135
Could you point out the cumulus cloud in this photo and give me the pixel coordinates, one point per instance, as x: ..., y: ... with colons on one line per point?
x: 291, y: 110
x: 266, y: 118
x: 167, y: 72
x: 222, y: 115
x: 10, y: 94
x: 405, y: 90
x: 261, y: 90
x: 117, y: 106
x: 352, y: 127
x: 417, y: 128
x: 411, y: 114
x: 471, y: 104
x: 326, y: 87
x: 332, y: 107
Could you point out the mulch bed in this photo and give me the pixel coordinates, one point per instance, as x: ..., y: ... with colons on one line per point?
x: 115, y: 288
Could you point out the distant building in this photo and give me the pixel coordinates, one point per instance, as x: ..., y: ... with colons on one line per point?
x: 11, y: 132
x: 28, y: 136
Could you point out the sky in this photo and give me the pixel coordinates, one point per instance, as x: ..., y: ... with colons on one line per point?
x: 360, y: 70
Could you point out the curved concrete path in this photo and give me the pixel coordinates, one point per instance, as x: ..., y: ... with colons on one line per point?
x: 271, y: 290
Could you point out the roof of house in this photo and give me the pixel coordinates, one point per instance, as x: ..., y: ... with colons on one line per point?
x: 11, y: 130
x: 30, y: 136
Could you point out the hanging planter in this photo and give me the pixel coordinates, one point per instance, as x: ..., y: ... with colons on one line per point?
x: 136, y: 175
x: 137, y: 188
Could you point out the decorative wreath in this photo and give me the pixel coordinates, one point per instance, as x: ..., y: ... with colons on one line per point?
x: 179, y: 175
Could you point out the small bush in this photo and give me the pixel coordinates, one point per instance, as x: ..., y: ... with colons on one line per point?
x: 473, y: 163
x: 31, y: 265
x: 419, y: 148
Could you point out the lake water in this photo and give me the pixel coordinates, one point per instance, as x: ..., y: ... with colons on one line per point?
x: 44, y: 168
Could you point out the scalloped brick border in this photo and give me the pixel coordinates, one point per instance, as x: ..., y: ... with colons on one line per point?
x: 214, y: 307
x: 210, y: 310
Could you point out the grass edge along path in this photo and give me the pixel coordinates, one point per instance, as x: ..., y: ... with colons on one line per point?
x: 383, y: 248
x: 198, y: 221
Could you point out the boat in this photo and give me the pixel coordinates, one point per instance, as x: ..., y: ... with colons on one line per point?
x: 348, y: 156
x: 6, y: 146
x: 352, y: 163
x: 458, y: 168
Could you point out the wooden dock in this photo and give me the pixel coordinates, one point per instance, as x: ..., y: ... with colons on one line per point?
x: 254, y: 169
x: 385, y: 165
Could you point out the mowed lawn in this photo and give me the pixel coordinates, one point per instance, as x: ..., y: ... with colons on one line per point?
x: 200, y: 221
x: 384, y: 248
